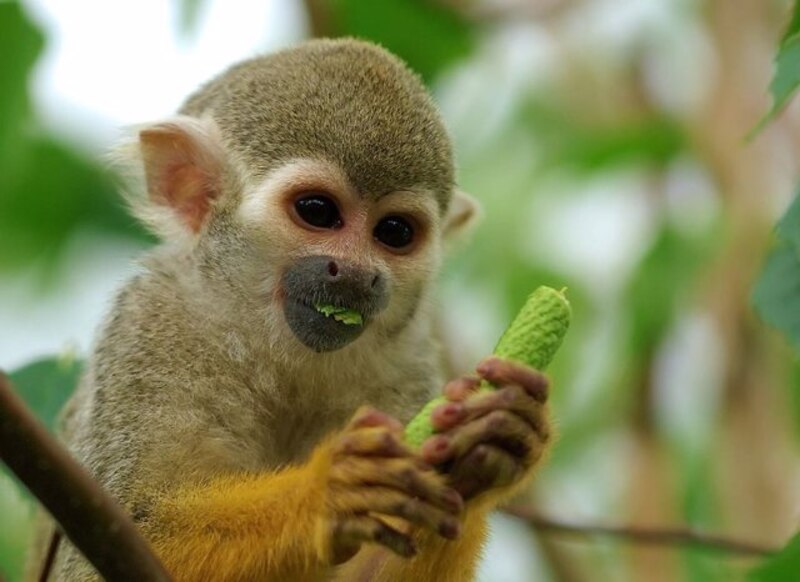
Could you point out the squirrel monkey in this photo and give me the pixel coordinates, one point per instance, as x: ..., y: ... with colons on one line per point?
x: 252, y: 434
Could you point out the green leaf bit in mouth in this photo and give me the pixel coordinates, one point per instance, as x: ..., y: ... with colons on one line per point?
x: 341, y: 314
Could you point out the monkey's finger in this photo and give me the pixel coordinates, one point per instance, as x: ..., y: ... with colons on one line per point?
x: 367, y: 416
x: 456, y: 391
x: 352, y: 531
x: 392, y: 502
x: 461, y: 388
x: 498, y: 427
x: 511, y: 398
x: 411, y: 476
x: 484, y: 467
x: 447, y: 415
x: 502, y: 372
x: 373, y: 441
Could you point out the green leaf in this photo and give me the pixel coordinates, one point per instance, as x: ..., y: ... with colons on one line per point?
x: 783, y: 567
x: 46, y: 384
x: 787, y: 74
x: 794, y: 24
x: 776, y: 295
x: 427, y: 35
x: 786, y: 78
x: 789, y: 225
x: 777, y: 292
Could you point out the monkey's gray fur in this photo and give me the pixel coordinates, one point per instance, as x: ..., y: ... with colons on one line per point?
x: 352, y: 102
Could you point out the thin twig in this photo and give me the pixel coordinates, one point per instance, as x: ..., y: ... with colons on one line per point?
x: 92, y: 520
x: 50, y: 556
x: 641, y: 535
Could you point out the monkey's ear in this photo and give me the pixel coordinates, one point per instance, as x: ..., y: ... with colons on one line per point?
x: 183, y: 164
x: 462, y: 214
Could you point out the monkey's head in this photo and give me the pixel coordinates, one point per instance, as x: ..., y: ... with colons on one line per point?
x: 313, y: 180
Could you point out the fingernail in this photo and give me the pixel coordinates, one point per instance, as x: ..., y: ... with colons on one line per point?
x: 453, y: 500
x: 485, y: 367
x: 452, y: 411
x: 441, y: 445
x: 480, y: 453
x: 436, y: 449
x: 468, y: 382
x: 450, y: 529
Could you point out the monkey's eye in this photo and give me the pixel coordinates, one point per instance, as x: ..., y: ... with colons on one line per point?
x: 318, y: 210
x: 394, y: 231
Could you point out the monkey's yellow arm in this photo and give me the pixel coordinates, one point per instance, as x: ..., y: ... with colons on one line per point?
x: 261, y: 527
x: 532, y: 338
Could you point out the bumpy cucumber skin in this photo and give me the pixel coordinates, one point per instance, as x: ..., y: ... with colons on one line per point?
x: 532, y: 339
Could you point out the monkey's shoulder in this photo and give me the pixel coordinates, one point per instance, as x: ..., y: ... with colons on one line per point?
x: 152, y: 327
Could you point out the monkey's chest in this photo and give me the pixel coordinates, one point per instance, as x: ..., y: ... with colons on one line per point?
x: 294, y: 434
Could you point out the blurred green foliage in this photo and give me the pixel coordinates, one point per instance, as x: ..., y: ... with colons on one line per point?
x: 400, y: 26
x: 48, y: 189
x: 663, y: 283
x: 581, y: 147
x: 782, y: 568
x: 189, y: 13
x: 20, y: 38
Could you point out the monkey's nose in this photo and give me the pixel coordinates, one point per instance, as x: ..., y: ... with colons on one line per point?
x: 344, y: 277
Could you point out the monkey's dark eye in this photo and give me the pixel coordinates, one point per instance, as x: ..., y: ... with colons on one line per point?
x: 318, y: 210
x: 394, y: 231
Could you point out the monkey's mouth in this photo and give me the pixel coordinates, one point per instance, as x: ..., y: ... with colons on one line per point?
x: 318, y: 329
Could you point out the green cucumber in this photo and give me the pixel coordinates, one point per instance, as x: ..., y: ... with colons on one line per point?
x: 531, y: 339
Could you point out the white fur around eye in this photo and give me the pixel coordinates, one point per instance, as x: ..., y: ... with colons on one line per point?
x: 264, y: 197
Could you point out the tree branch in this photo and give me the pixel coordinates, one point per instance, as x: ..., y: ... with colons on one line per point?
x: 641, y: 535
x: 92, y: 520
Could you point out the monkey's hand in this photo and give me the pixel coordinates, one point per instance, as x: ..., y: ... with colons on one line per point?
x: 490, y: 440
x: 373, y: 474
